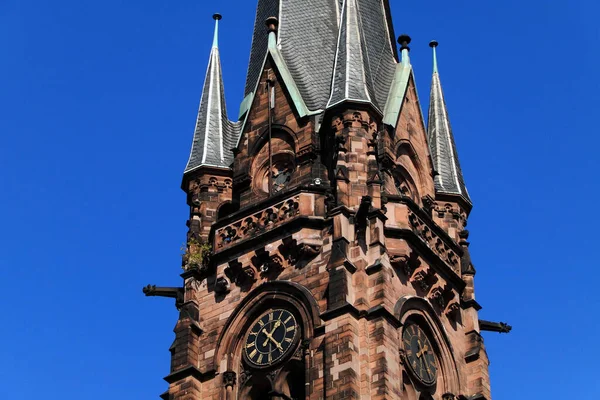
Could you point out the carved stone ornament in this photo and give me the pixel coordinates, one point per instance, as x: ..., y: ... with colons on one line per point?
x: 229, y: 379
x: 448, y: 396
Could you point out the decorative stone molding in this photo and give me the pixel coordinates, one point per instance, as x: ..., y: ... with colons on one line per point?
x: 258, y: 223
x: 433, y: 241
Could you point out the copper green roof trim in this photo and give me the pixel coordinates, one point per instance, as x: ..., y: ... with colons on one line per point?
x: 397, y: 93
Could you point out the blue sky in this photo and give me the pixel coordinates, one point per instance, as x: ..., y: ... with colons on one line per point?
x: 97, y: 108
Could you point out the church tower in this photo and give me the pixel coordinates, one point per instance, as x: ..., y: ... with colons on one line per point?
x: 327, y: 255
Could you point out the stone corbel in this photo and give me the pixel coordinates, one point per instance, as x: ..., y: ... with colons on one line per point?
x: 406, y: 263
x: 229, y: 379
x: 436, y: 294
x: 222, y: 286
x: 423, y: 276
x: 452, y: 308
x: 297, y: 253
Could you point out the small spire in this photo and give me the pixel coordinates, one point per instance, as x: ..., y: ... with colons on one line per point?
x: 433, y: 44
x: 217, y: 17
x: 449, y: 179
x: 214, y: 134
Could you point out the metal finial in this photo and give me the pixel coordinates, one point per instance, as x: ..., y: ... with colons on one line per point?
x: 272, y: 24
x: 217, y: 17
x: 404, y: 40
x: 434, y: 44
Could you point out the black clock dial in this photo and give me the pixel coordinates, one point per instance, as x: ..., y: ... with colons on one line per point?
x: 271, y: 338
x: 420, y: 357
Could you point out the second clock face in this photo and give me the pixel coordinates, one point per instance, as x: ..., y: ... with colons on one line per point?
x: 419, y: 354
x: 271, y: 338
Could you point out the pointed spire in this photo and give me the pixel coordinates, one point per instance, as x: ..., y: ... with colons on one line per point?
x: 215, y: 135
x: 449, y: 179
x: 351, y: 79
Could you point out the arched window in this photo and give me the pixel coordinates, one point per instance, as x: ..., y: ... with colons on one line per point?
x: 280, y: 169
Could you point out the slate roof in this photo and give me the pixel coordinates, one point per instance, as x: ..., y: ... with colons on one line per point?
x: 215, y: 135
x: 352, y: 79
x: 441, y: 141
x: 309, y: 38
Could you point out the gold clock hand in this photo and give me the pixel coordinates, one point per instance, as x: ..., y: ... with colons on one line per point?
x: 423, y: 351
x: 270, y: 335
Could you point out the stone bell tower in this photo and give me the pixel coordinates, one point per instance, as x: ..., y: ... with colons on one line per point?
x: 327, y: 253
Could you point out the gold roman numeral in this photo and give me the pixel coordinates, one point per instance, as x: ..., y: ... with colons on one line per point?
x: 251, y: 355
x: 290, y: 329
x: 259, y: 360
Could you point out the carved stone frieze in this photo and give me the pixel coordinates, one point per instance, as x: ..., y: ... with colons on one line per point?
x: 434, y: 242
x: 258, y: 223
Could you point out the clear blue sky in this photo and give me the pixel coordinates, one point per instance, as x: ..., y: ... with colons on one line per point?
x: 97, y: 107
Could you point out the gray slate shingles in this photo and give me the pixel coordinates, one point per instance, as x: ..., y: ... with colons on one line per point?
x: 308, y: 36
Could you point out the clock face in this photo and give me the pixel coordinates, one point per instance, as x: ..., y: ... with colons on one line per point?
x: 271, y: 337
x: 419, y: 354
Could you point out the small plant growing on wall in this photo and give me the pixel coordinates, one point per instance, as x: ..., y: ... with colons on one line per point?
x: 196, y: 254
